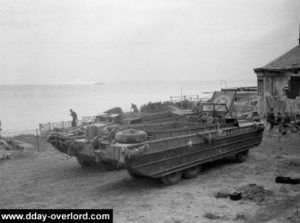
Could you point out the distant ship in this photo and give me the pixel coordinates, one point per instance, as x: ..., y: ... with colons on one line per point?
x: 98, y: 83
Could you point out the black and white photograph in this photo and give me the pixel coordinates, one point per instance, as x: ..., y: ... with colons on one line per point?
x: 162, y: 111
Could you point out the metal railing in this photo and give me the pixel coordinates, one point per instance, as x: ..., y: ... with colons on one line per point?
x: 46, y: 127
x: 185, y: 97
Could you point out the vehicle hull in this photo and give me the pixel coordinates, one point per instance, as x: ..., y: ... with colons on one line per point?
x: 164, y: 156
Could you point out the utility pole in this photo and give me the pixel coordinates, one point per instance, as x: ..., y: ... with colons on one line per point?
x: 299, y: 35
x: 181, y: 92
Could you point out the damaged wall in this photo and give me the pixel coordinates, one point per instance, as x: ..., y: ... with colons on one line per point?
x: 276, y: 89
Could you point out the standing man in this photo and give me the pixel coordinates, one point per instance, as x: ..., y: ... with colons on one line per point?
x: 134, y: 108
x: 271, y: 119
x: 74, y: 118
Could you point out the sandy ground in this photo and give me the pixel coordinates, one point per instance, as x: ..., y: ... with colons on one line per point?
x: 47, y: 179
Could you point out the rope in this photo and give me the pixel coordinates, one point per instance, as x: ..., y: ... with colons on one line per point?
x: 125, y: 153
x: 209, y: 137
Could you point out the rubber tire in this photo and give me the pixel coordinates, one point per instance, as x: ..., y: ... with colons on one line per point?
x: 83, y: 163
x: 236, y: 196
x: 191, y: 172
x: 131, y: 136
x: 134, y: 175
x: 294, y: 181
x: 172, y: 178
x: 242, y: 156
x: 283, y: 180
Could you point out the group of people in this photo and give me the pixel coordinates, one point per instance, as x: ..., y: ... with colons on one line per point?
x: 283, y: 121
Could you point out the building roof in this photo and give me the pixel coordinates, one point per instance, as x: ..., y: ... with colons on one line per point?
x: 288, y: 61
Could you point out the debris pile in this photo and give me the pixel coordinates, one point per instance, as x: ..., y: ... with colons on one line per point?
x: 156, y: 107
x: 251, y: 192
x: 255, y: 193
x: 295, y: 217
x: 7, y: 147
x: 211, y: 216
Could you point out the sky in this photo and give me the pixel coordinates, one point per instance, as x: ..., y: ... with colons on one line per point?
x: 87, y: 41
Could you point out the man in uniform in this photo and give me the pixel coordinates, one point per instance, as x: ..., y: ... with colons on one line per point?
x: 74, y: 118
x: 271, y: 119
x: 134, y: 108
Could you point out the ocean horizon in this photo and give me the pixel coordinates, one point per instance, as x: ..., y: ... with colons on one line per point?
x: 24, y: 106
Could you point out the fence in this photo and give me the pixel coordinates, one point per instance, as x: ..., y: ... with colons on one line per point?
x: 185, y: 97
x: 46, y: 127
x: 88, y: 118
x: 51, y: 125
x: 189, y: 98
x: 38, y: 136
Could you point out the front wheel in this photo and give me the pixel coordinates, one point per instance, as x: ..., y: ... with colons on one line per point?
x: 134, y: 175
x: 191, y: 172
x: 242, y: 156
x: 82, y: 162
x: 172, y: 178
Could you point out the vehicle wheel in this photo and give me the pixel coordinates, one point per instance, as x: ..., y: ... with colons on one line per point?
x: 172, y: 178
x: 242, y: 156
x: 110, y: 166
x: 131, y: 136
x: 191, y: 172
x: 134, y: 175
x: 283, y: 180
x: 82, y: 162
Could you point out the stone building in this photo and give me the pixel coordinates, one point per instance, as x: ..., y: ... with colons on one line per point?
x: 278, y: 83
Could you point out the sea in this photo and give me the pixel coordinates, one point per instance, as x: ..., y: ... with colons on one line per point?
x: 23, y: 107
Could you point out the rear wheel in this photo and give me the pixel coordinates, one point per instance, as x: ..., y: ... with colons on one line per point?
x: 82, y: 162
x: 191, y: 172
x: 172, y: 178
x: 242, y: 156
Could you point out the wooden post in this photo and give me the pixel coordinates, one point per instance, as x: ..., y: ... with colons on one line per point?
x: 181, y: 93
x: 37, y: 140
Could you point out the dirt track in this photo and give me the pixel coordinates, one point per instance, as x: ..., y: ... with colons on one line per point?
x: 49, y: 180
